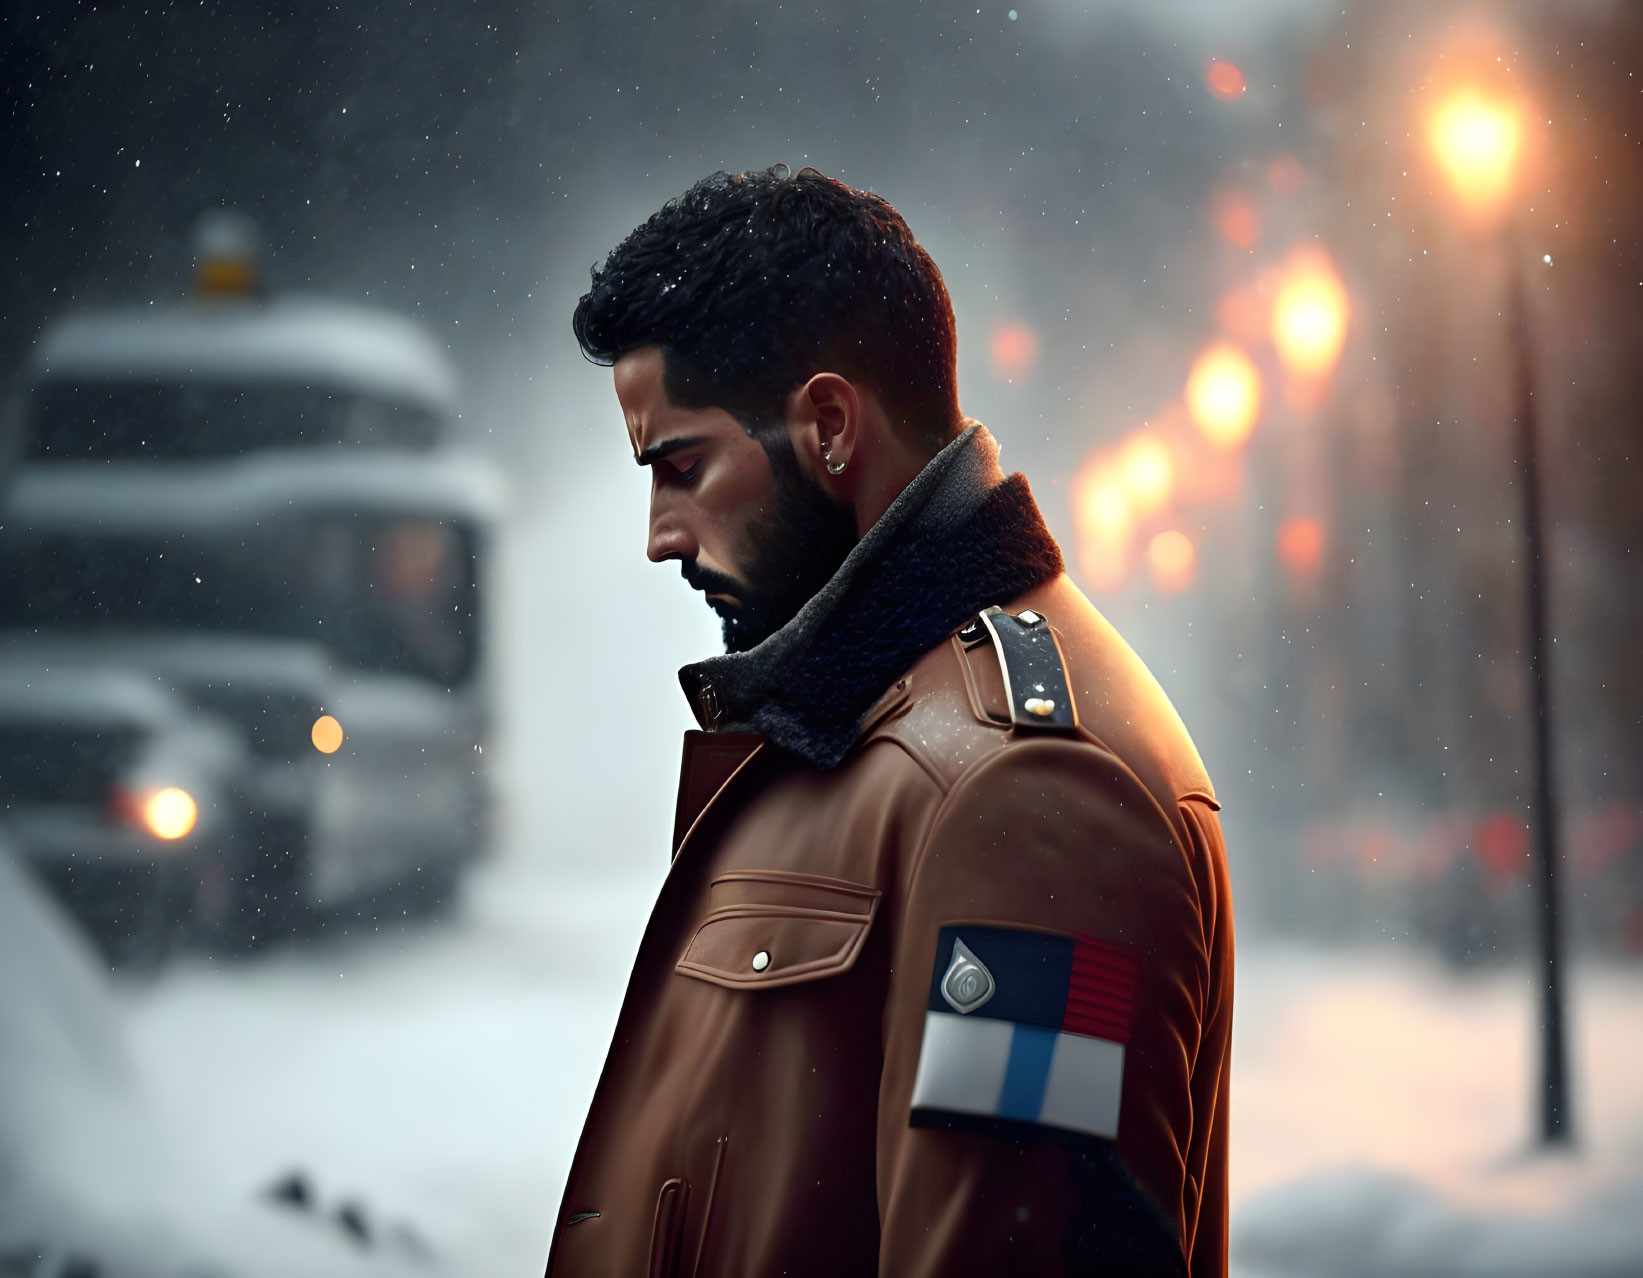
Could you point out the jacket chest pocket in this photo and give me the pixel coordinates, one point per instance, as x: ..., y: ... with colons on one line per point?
x: 769, y: 928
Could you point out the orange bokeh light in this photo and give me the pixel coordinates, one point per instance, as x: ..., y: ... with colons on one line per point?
x: 1146, y: 471
x: 1301, y: 546
x: 1223, y: 394
x: 1309, y: 316
x: 1102, y: 566
x: 1476, y: 138
x: 1100, y: 507
x: 1171, y: 558
x: 1285, y: 175
x: 1014, y: 349
x: 1103, y: 521
x: 1235, y: 219
x: 1224, y: 80
x: 1245, y: 314
x: 326, y: 734
x: 1502, y: 844
x: 170, y: 813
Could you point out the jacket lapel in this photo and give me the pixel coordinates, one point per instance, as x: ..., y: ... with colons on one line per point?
x: 710, y: 760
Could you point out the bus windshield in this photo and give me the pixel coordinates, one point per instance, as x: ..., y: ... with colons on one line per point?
x: 391, y: 594
x: 121, y: 420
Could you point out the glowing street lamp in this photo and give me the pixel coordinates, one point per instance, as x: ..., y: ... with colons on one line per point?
x: 1104, y: 522
x: 1104, y: 512
x: 1309, y: 315
x: 1476, y: 138
x: 1146, y: 471
x: 1224, y: 395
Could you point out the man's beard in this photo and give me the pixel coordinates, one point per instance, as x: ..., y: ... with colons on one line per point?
x: 797, y: 546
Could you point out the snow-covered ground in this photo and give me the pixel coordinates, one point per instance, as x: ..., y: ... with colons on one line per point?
x: 1383, y: 1122
x: 1381, y: 1105
x: 438, y: 1072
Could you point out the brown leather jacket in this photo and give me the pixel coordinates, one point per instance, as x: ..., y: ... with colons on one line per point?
x: 756, y: 1114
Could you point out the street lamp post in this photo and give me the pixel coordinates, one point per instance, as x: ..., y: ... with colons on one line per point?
x: 1555, y: 1123
x: 1476, y: 140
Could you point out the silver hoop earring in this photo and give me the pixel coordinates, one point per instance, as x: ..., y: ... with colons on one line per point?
x: 835, y: 468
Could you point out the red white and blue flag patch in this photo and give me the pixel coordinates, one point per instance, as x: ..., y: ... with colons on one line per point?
x: 1025, y: 1026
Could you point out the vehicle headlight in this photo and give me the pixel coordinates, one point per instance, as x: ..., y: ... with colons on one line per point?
x: 326, y: 734
x: 170, y: 813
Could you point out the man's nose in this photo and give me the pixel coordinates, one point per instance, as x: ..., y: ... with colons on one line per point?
x: 669, y: 538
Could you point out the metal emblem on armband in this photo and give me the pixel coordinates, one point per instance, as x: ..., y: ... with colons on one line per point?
x: 968, y: 984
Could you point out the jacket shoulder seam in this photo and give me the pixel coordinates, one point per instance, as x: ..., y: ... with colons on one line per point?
x: 920, y: 757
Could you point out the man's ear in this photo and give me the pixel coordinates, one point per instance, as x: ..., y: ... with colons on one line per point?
x: 828, y: 415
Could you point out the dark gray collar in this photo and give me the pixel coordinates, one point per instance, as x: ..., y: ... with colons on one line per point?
x: 958, y: 538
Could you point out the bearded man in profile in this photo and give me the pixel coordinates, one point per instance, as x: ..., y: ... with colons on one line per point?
x: 940, y: 980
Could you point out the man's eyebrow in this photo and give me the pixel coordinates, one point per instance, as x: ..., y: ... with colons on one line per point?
x: 656, y: 452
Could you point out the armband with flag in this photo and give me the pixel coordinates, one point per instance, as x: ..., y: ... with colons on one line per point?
x: 1024, y: 1027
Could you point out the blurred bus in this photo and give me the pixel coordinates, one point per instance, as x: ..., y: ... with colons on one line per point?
x: 255, y: 501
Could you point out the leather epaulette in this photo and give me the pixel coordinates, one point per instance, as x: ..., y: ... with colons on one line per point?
x: 1035, y: 673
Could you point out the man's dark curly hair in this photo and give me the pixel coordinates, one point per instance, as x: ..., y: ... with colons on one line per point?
x: 751, y: 283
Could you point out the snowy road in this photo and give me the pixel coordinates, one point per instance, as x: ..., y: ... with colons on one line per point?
x: 442, y: 1072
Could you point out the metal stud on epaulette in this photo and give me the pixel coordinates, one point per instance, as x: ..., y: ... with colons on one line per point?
x: 1035, y: 674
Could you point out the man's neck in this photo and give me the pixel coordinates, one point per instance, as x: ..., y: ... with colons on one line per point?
x: 897, y: 460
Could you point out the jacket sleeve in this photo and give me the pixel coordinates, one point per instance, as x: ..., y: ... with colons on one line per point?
x: 1050, y: 842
